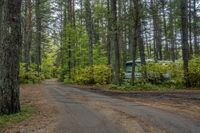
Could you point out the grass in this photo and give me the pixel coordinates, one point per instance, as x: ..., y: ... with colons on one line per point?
x: 145, y: 87
x: 25, y: 113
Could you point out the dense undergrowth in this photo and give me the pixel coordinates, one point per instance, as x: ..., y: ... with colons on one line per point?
x: 102, y: 75
x: 156, y: 76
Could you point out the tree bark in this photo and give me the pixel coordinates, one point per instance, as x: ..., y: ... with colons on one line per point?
x: 166, y: 57
x: 108, y: 33
x: 115, y: 40
x: 171, y: 34
x: 70, y: 23
x: 190, y: 29
x: 135, y: 18
x: 28, y: 35
x: 38, y: 35
x: 157, y: 30
x: 185, y: 45
x: 196, y: 47
x: 10, y: 44
x: 140, y: 40
x: 90, y: 31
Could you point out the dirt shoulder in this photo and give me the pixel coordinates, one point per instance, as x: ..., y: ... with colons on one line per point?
x: 181, y: 102
x: 44, y: 118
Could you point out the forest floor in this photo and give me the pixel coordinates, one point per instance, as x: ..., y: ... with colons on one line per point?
x: 43, y: 120
x: 81, y: 109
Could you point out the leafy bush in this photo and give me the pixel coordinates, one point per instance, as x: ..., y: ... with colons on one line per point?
x: 49, y: 67
x: 50, y: 71
x: 176, y: 69
x: 101, y: 75
x: 31, y: 76
x: 83, y: 76
x: 156, y: 71
x: 194, y: 72
x: 165, y: 73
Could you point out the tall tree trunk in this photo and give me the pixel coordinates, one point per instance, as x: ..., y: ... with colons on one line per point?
x: 166, y: 57
x: 10, y: 44
x: 120, y: 27
x: 28, y: 37
x: 70, y: 24
x: 171, y: 34
x: 135, y: 18
x: 108, y: 33
x: 140, y: 37
x: 157, y: 30
x: 190, y: 29
x: 90, y: 31
x: 125, y: 36
x: 196, y: 47
x: 115, y: 40
x: 148, y: 46
x: 63, y: 41
x: 142, y: 49
x: 38, y: 34
x: 185, y: 45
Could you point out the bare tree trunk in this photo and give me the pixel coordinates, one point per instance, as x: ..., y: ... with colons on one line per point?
x: 140, y: 40
x: 196, y: 47
x: 166, y: 57
x: 185, y: 45
x: 90, y: 31
x: 171, y: 34
x: 115, y: 40
x: 190, y: 29
x: 148, y: 46
x: 141, y: 48
x: 135, y: 17
x: 63, y: 42
x: 157, y: 30
x: 108, y: 33
x: 38, y: 35
x: 28, y: 37
x: 125, y: 36
x: 10, y: 44
x: 70, y: 23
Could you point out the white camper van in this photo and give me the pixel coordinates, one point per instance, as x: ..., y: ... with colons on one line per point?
x: 138, y: 73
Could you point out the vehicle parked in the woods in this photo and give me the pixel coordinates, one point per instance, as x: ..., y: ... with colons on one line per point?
x: 138, y: 68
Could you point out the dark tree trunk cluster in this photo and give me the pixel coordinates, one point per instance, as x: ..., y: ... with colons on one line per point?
x: 10, y: 44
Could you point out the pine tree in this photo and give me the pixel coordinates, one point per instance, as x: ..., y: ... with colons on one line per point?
x: 10, y: 45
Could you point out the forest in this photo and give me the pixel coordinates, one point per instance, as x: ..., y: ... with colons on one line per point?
x: 125, y: 44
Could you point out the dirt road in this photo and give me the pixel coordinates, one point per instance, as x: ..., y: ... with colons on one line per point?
x: 83, y: 111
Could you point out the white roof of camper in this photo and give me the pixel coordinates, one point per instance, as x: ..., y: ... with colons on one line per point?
x: 138, y: 61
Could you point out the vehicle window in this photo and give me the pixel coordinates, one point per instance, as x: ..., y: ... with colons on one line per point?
x: 129, y: 67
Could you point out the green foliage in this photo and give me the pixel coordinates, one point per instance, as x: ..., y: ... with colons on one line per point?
x: 176, y: 69
x: 49, y: 68
x: 99, y: 55
x: 171, y: 74
x: 194, y: 72
x: 101, y: 75
x: 82, y: 76
x: 26, y: 113
x: 156, y: 71
x: 142, y: 87
x: 30, y: 77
